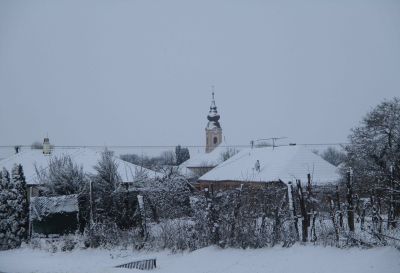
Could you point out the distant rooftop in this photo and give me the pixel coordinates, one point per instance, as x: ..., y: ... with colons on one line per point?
x: 204, y: 159
x: 286, y: 163
x: 84, y: 157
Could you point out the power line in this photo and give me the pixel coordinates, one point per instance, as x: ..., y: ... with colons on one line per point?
x: 173, y: 146
x: 123, y: 146
x: 320, y: 144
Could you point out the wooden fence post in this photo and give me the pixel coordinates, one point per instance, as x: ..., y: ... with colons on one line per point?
x: 350, y: 206
x: 311, y: 210
x: 142, y: 210
x: 303, y: 212
x: 339, y: 209
x: 391, y: 223
x: 333, y: 217
x: 292, y: 207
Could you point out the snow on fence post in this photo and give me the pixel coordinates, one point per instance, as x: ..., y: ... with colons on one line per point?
x: 292, y: 208
x: 277, y: 222
x: 313, y: 233
x: 339, y: 209
x: 391, y: 223
x: 311, y: 210
x: 333, y: 217
x: 303, y: 212
x: 357, y: 208
x: 29, y: 213
x: 362, y: 217
x: 379, y: 211
x: 142, y: 214
x: 236, y: 209
x: 376, y: 217
x: 308, y: 200
x: 91, y: 221
x: 350, y: 207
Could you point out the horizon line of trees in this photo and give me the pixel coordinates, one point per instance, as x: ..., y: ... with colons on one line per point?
x: 166, y: 158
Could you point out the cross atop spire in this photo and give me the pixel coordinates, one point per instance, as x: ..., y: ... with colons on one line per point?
x: 213, y: 107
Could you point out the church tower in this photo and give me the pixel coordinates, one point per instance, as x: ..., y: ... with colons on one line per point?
x: 213, y: 129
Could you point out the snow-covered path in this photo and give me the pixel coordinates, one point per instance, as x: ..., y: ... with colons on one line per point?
x: 297, y: 259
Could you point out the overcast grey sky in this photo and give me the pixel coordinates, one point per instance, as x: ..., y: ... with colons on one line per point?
x: 140, y: 72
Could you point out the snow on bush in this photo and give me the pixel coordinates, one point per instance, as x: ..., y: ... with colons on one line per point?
x: 13, y: 208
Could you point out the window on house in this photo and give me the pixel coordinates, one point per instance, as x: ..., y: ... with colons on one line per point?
x: 215, y: 140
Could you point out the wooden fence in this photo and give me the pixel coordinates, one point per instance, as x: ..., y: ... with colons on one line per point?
x: 148, y: 264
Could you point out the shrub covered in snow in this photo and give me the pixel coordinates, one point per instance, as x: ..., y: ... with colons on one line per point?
x: 13, y: 208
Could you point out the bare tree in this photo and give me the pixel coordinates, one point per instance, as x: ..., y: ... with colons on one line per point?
x: 333, y: 156
x: 168, y: 158
x: 374, y: 154
x: 181, y: 154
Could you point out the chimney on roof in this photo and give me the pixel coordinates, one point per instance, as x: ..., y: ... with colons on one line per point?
x: 46, y: 146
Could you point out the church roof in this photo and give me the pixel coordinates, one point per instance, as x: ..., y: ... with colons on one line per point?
x: 213, y: 125
x: 286, y: 163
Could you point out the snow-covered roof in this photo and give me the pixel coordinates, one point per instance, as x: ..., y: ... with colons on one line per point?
x: 87, y: 158
x: 185, y: 171
x: 213, y: 125
x: 204, y: 159
x: 286, y: 163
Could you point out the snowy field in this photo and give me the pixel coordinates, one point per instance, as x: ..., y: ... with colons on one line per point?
x: 298, y: 259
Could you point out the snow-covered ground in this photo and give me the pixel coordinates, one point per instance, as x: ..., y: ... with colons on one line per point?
x: 297, y: 259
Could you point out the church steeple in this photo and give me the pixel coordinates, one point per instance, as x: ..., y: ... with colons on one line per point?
x: 213, y: 129
x: 213, y: 116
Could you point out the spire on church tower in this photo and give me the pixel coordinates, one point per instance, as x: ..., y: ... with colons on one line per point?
x: 213, y: 116
x: 213, y: 129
